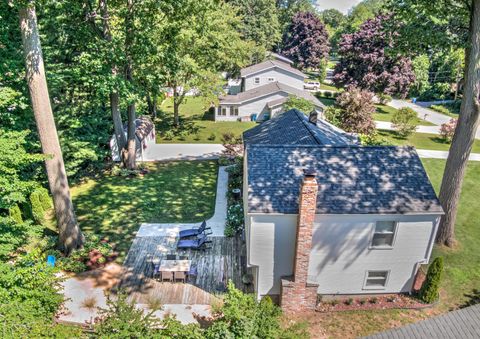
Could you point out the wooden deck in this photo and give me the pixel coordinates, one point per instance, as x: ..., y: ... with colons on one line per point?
x: 225, y: 260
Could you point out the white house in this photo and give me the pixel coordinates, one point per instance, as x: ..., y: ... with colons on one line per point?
x: 328, y: 217
x: 144, y: 138
x: 262, y: 90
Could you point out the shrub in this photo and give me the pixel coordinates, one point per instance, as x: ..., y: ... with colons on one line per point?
x: 212, y: 137
x: 358, y: 109
x: 168, y: 135
x: 327, y: 94
x: 301, y: 104
x: 362, y: 301
x: 384, y: 98
x: 374, y: 300
x: 232, y: 145
x: 16, y: 214
x: 405, y: 121
x: 349, y: 301
x: 38, y: 213
x: 333, y: 115
x: 429, y: 291
x: 44, y: 198
x: 235, y: 220
x: 447, y: 130
x: 373, y: 140
x: 441, y: 109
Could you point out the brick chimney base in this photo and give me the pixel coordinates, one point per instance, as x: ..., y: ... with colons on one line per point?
x: 297, y: 296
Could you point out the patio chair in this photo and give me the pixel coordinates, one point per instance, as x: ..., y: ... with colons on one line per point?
x: 194, y: 244
x: 195, y: 231
x: 193, y: 272
x: 156, y: 270
x: 180, y: 276
x: 167, y: 276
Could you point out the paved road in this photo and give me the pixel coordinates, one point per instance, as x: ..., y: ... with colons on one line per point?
x: 422, y: 112
x: 164, y: 152
x: 420, y: 129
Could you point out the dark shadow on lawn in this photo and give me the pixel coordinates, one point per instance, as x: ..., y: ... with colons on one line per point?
x: 188, y: 125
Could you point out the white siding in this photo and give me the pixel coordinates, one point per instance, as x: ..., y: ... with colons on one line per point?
x: 278, y: 74
x: 340, y: 253
x: 255, y: 106
x: 271, y: 248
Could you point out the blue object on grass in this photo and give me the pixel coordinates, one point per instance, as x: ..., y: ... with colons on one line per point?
x: 254, y: 117
x: 51, y: 260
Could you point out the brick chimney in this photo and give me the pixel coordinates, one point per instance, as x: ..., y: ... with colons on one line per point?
x: 296, y: 294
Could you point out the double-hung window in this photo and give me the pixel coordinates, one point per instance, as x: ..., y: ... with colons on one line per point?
x: 376, y: 280
x: 224, y: 111
x: 384, y: 234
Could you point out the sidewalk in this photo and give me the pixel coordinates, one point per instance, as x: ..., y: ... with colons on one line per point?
x: 165, y: 152
x: 424, y: 153
x: 420, y: 129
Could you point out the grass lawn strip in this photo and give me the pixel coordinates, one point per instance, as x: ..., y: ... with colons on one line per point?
x: 421, y: 141
x: 114, y: 206
x: 197, y: 124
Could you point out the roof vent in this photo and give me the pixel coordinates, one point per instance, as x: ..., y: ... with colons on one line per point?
x: 313, y: 117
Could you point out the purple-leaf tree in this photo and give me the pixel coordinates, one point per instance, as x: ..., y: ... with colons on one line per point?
x: 357, y: 111
x: 306, y: 41
x: 367, y: 60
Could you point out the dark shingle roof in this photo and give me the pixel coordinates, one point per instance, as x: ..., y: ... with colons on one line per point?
x: 352, y: 180
x: 262, y: 91
x: 267, y: 65
x: 464, y: 323
x: 293, y: 128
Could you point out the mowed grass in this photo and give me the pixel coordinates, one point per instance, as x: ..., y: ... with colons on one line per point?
x: 114, y: 207
x: 461, y: 277
x: 421, y: 141
x: 385, y: 113
x: 197, y: 125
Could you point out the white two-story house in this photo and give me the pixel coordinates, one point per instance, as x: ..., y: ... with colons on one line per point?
x: 262, y: 90
x: 324, y: 216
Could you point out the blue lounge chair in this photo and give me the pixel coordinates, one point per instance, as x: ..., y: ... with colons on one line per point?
x: 195, y: 231
x: 193, y: 244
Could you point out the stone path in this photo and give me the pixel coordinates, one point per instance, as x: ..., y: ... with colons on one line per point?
x: 165, y: 152
x: 216, y: 222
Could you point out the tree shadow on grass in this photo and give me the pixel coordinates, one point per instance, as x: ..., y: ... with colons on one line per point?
x: 114, y: 207
x: 189, y: 125
x: 472, y: 298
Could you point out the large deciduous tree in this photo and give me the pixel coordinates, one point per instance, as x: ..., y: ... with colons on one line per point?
x: 70, y: 236
x: 357, y: 111
x: 443, y: 25
x: 366, y: 60
x: 306, y: 41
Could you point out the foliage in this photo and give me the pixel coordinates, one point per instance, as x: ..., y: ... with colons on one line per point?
x: 366, y: 61
x: 16, y: 214
x: 357, y: 110
x: 14, y: 234
x: 421, y: 68
x: 122, y: 319
x: 38, y: 212
x: 94, y: 253
x: 447, y: 130
x: 301, y: 104
x: 241, y: 316
x: 235, y: 220
x: 235, y: 215
x: 449, y: 108
x: 384, y: 98
x: 259, y: 22
x: 373, y: 139
x: 334, y: 115
x: 306, y: 41
x: 233, y: 146
x: 404, y: 121
x: 429, y: 291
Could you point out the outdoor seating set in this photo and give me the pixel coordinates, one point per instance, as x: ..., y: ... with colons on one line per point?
x: 178, y: 268
x: 199, y: 239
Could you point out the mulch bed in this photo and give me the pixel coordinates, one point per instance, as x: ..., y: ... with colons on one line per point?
x: 384, y: 302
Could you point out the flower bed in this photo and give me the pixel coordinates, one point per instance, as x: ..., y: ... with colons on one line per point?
x: 384, y: 302
x: 235, y: 218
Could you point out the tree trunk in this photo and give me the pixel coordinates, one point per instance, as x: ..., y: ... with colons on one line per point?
x: 465, y: 132
x: 176, y: 104
x: 70, y: 236
x: 114, y: 96
x: 130, y: 162
x: 152, y: 106
x: 117, y: 122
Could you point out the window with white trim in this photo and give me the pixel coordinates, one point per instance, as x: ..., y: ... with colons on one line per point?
x: 384, y: 234
x: 271, y: 79
x: 224, y: 111
x: 376, y: 279
x: 256, y: 81
x: 235, y: 110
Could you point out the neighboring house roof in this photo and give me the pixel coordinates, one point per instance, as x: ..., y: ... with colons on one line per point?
x: 293, y: 128
x: 351, y: 179
x: 463, y: 323
x: 279, y: 57
x: 269, y: 64
x: 262, y: 91
x: 143, y: 127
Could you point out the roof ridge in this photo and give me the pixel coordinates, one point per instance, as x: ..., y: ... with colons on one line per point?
x: 333, y: 146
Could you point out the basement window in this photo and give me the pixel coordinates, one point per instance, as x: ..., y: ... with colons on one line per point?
x: 256, y: 81
x: 376, y: 280
x: 384, y: 234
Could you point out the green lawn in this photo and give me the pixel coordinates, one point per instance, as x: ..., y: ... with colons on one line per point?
x: 385, y: 113
x: 462, y: 264
x: 197, y: 124
x: 114, y: 207
x: 421, y: 141
x: 328, y: 87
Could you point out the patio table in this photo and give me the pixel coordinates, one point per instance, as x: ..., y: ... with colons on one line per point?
x: 175, y: 265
